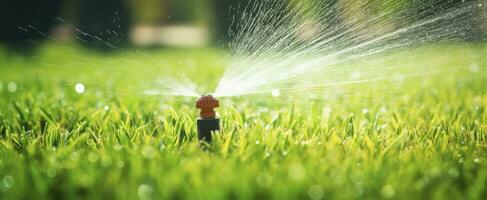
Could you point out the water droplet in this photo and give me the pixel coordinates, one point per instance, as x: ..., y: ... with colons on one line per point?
x: 8, y: 181
x: 359, y: 189
x: 316, y: 192
x: 79, y: 88
x: 117, y: 147
x: 51, y: 172
x: 106, y: 108
x: 74, y: 156
x: 162, y: 146
x: 355, y: 75
x: 296, y: 172
x: 453, y: 173
x: 12, y: 87
x: 388, y: 191
x: 264, y: 180
x: 398, y: 78
x: 326, y: 112
x: 257, y: 142
x: 149, y: 152
x: 435, y: 171
x: 93, y: 157
x: 144, y: 191
x: 120, y: 164
x: 276, y: 93
x: 474, y: 68
x: 106, y: 161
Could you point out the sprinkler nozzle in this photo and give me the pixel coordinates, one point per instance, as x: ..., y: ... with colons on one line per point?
x: 208, y: 122
x: 207, y: 103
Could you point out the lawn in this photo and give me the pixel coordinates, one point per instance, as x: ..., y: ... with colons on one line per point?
x: 423, y: 139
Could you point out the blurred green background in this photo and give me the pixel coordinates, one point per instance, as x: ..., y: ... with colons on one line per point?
x: 188, y: 23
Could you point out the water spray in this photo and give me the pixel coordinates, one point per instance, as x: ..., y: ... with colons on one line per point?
x: 208, y: 122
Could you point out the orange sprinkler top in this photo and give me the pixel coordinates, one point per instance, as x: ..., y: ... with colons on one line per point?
x: 207, y: 103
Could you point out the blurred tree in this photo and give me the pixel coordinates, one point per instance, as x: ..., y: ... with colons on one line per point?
x: 471, y: 26
x: 482, y: 13
x: 228, y: 15
x: 26, y: 22
x: 103, y: 24
x: 149, y: 12
x: 370, y: 18
x: 189, y: 12
x: 159, y: 12
x: 224, y: 12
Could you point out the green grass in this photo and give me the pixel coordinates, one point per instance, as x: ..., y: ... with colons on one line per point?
x: 425, y: 139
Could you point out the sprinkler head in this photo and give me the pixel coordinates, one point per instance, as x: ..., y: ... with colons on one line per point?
x: 207, y: 103
x: 208, y: 123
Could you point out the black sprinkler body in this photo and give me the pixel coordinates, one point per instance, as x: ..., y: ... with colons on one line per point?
x: 207, y: 123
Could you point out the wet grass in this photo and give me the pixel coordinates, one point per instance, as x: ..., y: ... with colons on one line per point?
x: 426, y: 138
